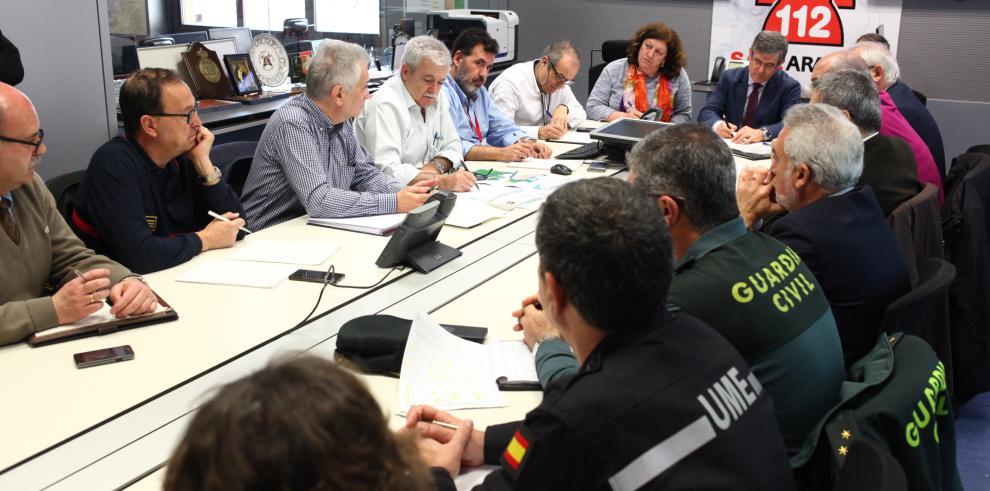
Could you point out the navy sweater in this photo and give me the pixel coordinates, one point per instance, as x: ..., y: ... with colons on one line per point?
x: 143, y: 216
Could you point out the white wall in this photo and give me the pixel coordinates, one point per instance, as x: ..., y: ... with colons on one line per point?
x: 62, y: 49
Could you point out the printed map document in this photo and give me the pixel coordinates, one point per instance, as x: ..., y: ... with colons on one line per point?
x: 445, y: 371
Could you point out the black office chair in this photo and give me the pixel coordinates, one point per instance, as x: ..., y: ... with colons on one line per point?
x: 234, y: 161
x: 64, y: 188
x: 984, y: 149
x: 921, y: 97
x: 612, y: 50
x: 870, y: 468
x: 907, y: 314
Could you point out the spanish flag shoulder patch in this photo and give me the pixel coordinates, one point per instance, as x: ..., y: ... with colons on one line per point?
x: 514, y: 457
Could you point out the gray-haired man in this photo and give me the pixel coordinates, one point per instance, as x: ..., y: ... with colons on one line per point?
x: 406, y: 125
x: 538, y: 92
x: 309, y: 160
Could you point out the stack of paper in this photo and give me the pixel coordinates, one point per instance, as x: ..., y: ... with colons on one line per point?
x: 445, y: 371
x: 582, y: 137
x: 470, y: 212
x: 270, y: 251
x: 375, y: 224
x: 752, y: 151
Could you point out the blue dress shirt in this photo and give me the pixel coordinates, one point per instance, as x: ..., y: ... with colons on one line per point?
x: 496, y: 128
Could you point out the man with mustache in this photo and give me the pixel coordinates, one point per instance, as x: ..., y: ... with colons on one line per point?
x: 146, y: 195
x: 37, y: 248
x: 486, y: 133
x: 406, y: 126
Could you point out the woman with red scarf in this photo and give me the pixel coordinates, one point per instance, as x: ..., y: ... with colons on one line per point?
x: 652, y: 76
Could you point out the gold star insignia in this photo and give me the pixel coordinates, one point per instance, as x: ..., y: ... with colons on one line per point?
x: 846, y: 435
x: 843, y: 450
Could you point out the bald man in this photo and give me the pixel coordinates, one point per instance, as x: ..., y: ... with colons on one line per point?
x: 37, y: 248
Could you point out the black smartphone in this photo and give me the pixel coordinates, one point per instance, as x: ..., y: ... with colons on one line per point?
x: 596, y: 165
x: 314, y: 276
x: 470, y: 333
x: 584, y: 129
x: 103, y: 356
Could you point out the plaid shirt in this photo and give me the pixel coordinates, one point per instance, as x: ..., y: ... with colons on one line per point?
x: 307, y: 164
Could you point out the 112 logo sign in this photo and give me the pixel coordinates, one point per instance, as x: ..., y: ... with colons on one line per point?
x: 814, y: 22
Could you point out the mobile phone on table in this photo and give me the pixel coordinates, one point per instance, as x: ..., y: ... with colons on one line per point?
x: 103, y: 356
x: 596, y: 165
x: 470, y: 333
x: 584, y: 129
x: 314, y: 276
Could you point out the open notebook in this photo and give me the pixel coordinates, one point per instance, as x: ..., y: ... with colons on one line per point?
x: 102, y: 322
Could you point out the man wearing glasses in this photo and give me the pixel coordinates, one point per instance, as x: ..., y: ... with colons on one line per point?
x: 748, y: 104
x: 146, y: 195
x: 538, y: 93
x: 37, y: 248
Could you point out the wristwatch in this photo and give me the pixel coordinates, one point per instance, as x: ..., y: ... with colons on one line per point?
x: 212, y: 177
x: 766, y: 134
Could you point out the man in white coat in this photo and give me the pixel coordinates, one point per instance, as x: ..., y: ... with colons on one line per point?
x: 538, y: 92
x: 406, y: 125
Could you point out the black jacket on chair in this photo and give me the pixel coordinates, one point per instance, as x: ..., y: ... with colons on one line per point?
x: 848, y: 245
x: 966, y: 231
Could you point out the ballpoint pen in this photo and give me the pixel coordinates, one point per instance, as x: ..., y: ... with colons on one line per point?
x: 464, y: 165
x: 221, y: 217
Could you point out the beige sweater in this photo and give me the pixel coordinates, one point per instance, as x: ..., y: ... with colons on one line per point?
x: 45, y: 256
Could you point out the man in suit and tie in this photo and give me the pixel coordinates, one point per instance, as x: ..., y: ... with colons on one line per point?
x: 837, y: 228
x: 749, y: 103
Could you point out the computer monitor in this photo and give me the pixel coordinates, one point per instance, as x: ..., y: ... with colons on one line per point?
x: 626, y: 132
x: 241, y: 35
x: 187, y: 37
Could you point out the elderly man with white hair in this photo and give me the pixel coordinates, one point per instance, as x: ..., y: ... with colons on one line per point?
x: 887, y: 76
x: 836, y: 228
x: 309, y: 160
x: 406, y: 125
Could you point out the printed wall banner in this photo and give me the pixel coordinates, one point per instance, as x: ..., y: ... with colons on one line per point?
x: 812, y: 27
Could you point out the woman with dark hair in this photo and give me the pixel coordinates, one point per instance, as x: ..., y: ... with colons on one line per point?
x: 300, y: 424
x: 652, y: 76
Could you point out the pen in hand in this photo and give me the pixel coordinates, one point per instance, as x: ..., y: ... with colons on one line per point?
x: 221, y: 217
x: 464, y: 165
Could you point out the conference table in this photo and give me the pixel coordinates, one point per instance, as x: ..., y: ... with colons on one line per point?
x: 114, y: 426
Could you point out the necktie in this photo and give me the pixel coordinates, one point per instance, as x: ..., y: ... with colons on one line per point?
x: 754, y: 99
x: 7, y: 221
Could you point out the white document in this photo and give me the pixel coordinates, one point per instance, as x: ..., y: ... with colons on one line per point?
x: 582, y: 137
x: 544, y: 164
x: 98, y: 317
x: 238, y: 273
x: 375, y: 224
x: 760, y: 148
x: 270, y: 251
x: 512, y: 360
x: 445, y: 371
x: 468, y: 213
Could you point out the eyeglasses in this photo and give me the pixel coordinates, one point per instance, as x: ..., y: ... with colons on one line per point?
x: 188, y: 115
x: 560, y: 78
x: 36, y: 145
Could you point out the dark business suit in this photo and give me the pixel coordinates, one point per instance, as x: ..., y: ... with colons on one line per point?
x: 921, y: 120
x: 890, y: 169
x: 728, y: 101
x: 848, y: 245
